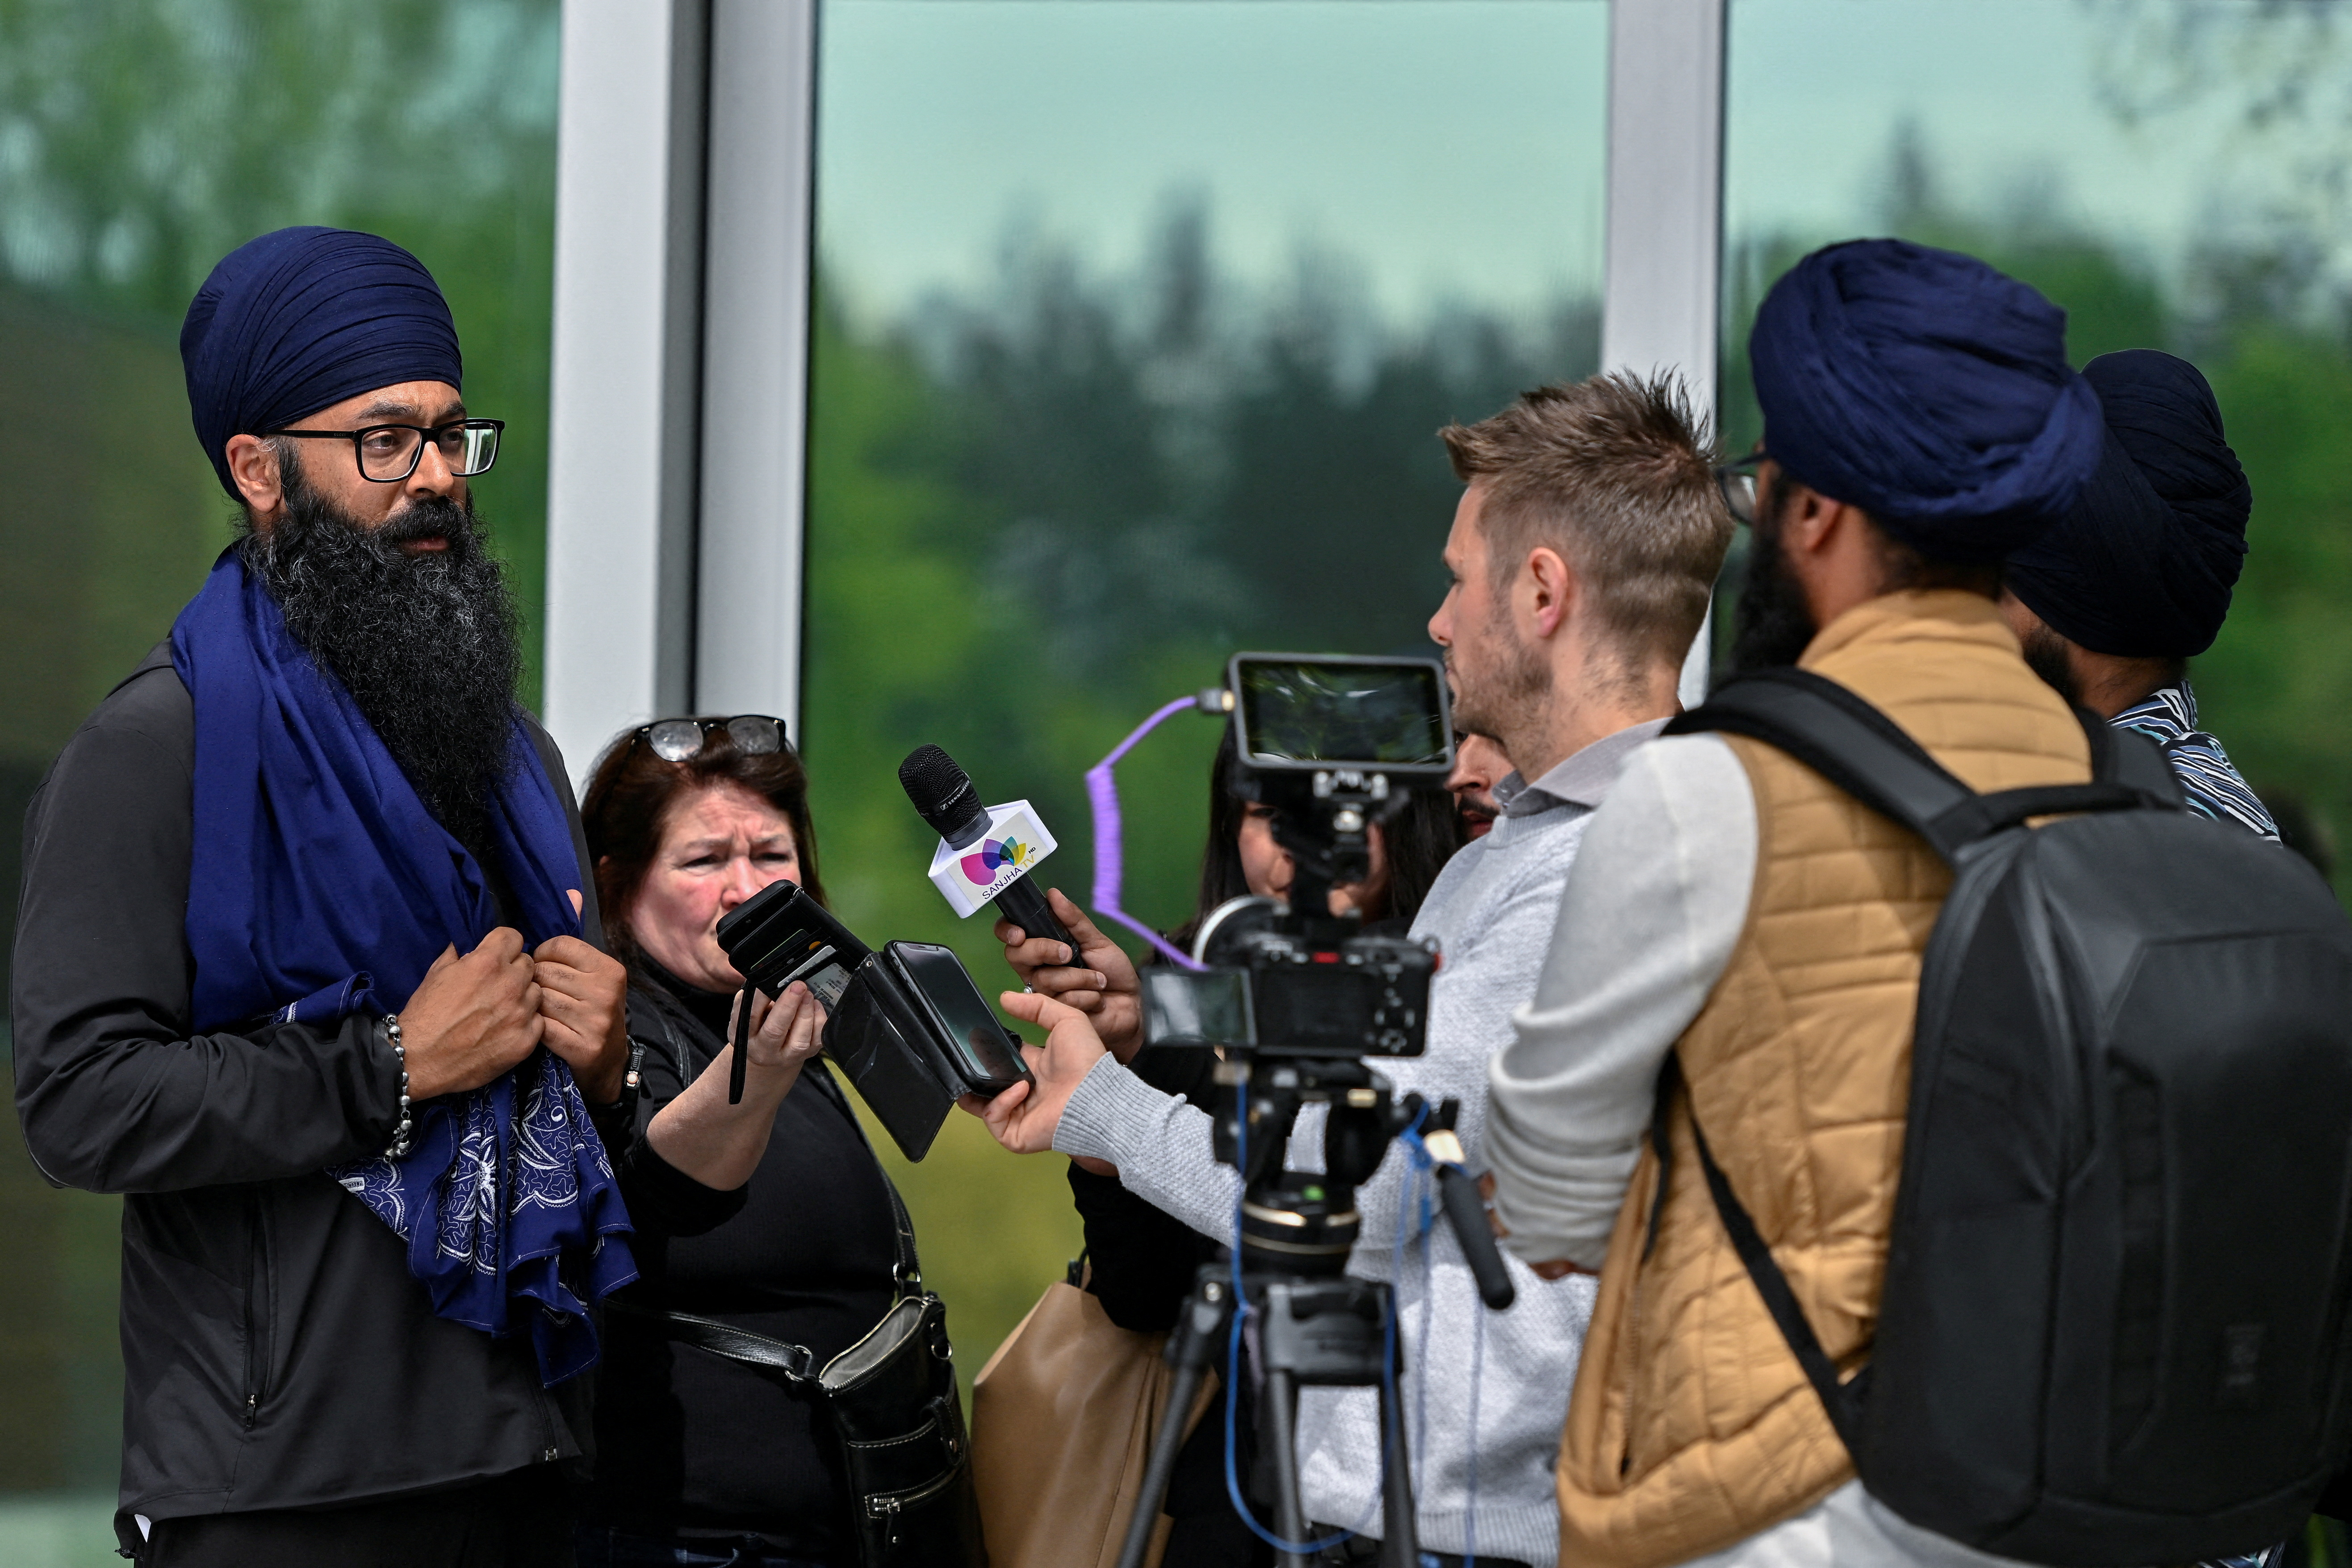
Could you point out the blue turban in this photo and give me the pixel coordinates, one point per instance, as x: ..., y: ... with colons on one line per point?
x: 299, y: 319
x: 1928, y: 389
x: 2143, y: 567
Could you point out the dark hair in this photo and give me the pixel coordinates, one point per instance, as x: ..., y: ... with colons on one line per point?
x: 633, y: 791
x: 1418, y: 841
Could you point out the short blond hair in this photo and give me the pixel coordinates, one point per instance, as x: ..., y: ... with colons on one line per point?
x: 1617, y: 473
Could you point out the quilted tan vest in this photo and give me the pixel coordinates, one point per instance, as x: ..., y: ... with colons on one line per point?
x: 1692, y: 1426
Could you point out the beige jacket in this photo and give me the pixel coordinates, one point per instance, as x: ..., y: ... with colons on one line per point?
x: 1692, y: 1426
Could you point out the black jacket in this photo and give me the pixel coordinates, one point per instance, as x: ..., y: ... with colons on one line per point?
x: 803, y: 1252
x: 276, y: 1352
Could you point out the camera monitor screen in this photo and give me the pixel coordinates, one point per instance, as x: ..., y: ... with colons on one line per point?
x: 1385, y: 715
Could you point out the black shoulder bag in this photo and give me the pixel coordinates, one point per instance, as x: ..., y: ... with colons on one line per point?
x: 890, y: 1402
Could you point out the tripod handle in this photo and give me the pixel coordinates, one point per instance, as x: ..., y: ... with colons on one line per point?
x: 1467, y: 1214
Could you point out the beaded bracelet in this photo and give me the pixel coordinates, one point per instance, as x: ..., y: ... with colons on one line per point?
x: 400, y: 1136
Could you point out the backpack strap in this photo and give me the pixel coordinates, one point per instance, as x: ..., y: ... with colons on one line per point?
x: 1839, y: 736
x: 1842, y: 1400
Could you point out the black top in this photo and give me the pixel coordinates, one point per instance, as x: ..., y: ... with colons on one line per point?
x: 687, y: 1442
x: 276, y: 1352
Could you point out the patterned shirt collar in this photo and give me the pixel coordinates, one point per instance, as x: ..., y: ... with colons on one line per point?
x: 2168, y: 713
x: 2210, y: 781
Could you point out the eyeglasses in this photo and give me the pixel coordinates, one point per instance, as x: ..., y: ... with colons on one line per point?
x: 678, y: 740
x: 388, y: 454
x: 1736, y: 479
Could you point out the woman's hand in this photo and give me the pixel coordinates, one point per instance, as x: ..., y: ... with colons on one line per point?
x: 1106, y: 989
x: 1024, y: 1117
x: 785, y: 1033
x: 720, y: 1144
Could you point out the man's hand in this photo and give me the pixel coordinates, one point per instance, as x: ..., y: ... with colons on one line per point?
x: 585, y: 999
x: 471, y: 1018
x: 1023, y: 1118
x: 1106, y: 990
x: 1551, y: 1269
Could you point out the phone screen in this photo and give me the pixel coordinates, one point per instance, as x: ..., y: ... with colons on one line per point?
x: 940, y: 978
x: 1364, y: 714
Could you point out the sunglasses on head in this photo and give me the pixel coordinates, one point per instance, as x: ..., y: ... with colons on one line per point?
x: 678, y: 740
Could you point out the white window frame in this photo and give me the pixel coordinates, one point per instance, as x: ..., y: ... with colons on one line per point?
x: 684, y: 234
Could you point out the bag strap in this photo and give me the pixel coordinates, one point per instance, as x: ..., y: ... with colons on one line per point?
x: 1833, y: 730
x: 1842, y: 1401
x: 906, y: 1267
x: 792, y: 1365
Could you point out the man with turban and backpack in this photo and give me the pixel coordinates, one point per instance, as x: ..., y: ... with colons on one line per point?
x: 1822, y: 895
x: 307, y: 968
x: 2113, y: 602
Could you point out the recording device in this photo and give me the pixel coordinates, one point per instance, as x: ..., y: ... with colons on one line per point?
x: 905, y: 1022
x: 1296, y: 999
x: 1336, y: 745
x: 980, y: 855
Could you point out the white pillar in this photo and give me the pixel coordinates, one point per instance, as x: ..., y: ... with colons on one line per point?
x: 1661, y: 308
x: 625, y: 378
x: 755, y: 357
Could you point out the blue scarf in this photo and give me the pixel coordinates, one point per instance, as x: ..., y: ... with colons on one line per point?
x: 320, y: 886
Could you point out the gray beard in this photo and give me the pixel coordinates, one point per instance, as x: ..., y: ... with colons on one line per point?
x: 427, y: 645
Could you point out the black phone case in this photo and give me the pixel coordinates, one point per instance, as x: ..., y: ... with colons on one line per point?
x: 895, y: 1077
x: 770, y: 937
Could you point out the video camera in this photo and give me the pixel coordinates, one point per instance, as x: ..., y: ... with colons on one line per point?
x: 1336, y: 745
x: 906, y: 1024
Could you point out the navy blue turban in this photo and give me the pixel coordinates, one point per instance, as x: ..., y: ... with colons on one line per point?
x: 299, y: 319
x: 1928, y: 389
x: 2143, y: 567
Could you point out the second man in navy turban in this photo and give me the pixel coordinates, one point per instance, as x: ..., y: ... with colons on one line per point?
x: 2113, y: 602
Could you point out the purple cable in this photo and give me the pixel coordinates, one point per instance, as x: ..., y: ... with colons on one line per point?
x: 1102, y: 794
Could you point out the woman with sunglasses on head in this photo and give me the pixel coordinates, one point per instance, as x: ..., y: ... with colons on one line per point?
x: 771, y: 1214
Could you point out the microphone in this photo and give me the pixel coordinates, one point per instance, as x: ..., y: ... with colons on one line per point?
x: 980, y: 852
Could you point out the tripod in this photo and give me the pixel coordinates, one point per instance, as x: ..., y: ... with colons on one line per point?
x: 1318, y: 1327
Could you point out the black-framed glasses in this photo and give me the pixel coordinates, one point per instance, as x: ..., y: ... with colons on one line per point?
x: 1736, y: 479
x: 679, y: 739
x: 388, y: 454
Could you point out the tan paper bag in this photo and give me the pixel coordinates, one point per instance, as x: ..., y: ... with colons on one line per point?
x: 1062, y: 1421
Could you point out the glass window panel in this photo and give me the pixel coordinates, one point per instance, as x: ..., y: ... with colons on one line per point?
x: 2169, y: 171
x: 1136, y: 320
x: 141, y: 141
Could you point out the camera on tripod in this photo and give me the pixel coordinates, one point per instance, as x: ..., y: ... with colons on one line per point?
x: 1296, y: 999
x: 1336, y: 745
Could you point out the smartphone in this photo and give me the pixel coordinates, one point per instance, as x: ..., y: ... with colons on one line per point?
x: 984, y: 1056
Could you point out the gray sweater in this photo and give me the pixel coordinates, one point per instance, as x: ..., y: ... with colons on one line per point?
x: 1492, y: 912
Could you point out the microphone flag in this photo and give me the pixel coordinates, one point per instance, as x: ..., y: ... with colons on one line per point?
x: 1016, y: 840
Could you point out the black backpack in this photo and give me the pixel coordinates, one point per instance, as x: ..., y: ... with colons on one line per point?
x: 2113, y: 1324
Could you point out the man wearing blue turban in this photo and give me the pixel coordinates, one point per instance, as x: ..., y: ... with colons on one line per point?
x: 308, y: 969
x: 2113, y: 603
x: 1731, y: 910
